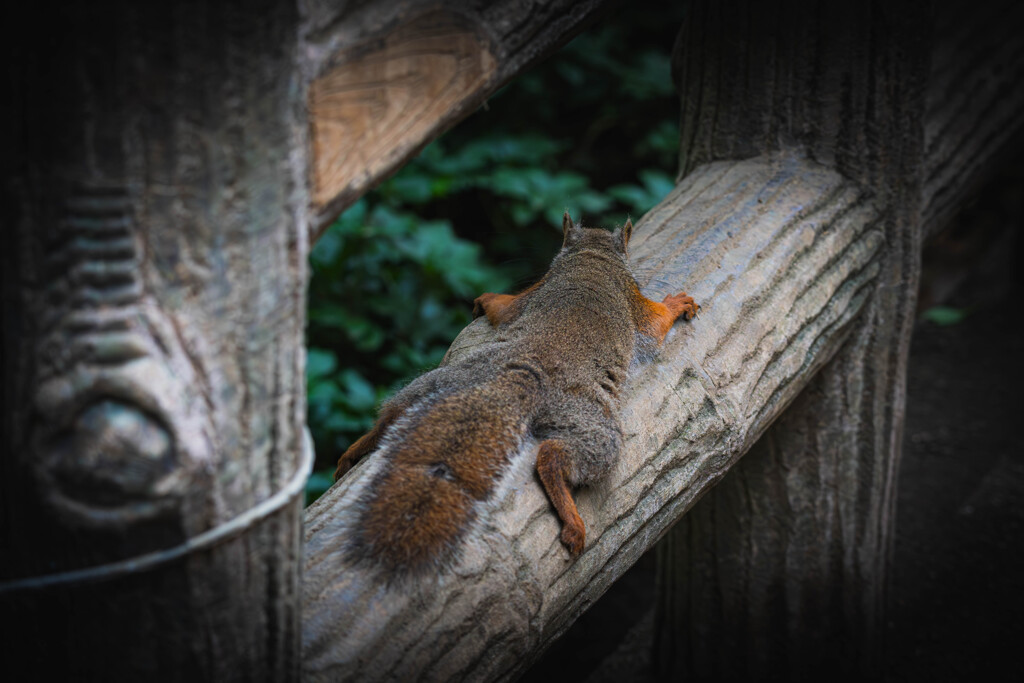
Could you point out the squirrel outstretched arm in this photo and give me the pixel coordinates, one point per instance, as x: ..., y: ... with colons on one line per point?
x: 562, y: 352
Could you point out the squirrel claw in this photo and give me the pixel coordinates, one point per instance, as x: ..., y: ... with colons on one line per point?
x: 480, y: 304
x: 682, y: 304
x: 573, y: 538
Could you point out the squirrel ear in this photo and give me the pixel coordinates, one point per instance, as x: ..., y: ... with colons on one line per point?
x: 622, y: 235
x: 570, y: 232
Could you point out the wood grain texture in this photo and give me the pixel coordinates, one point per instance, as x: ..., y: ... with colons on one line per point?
x: 975, y: 106
x: 153, y: 387
x: 385, y: 78
x: 782, y: 254
x: 782, y: 572
x: 380, y: 99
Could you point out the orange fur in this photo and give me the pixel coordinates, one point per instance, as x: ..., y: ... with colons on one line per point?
x: 661, y: 316
x: 554, y: 474
x: 501, y: 308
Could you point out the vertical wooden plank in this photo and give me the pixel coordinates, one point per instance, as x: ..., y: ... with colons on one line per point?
x: 154, y: 275
x: 781, y: 569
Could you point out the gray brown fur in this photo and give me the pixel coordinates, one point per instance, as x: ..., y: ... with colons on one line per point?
x: 562, y: 352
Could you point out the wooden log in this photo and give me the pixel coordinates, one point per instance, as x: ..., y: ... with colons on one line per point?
x: 781, y: 571
x: 386, y: 78
x: 782, y: 254
x: 154, y: 277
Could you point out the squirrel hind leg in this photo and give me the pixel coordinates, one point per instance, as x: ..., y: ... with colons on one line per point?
x: 553, y: 466
x: 580, y: 443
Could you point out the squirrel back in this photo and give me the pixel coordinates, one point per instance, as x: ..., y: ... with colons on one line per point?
x: 562, y: 351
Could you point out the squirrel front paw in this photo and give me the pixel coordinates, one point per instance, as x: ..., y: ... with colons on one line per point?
x: 480, y: 303
x: 682, y: 304
x: 573, y: 537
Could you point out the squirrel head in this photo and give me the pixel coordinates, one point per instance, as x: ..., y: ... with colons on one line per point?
x: 575, y: 237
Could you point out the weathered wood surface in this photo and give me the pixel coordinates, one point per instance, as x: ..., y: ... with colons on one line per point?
x: 387, y: 78
x: 154, y: 268
x: 782, y: 255
x: 781, y: 571
x: 785, y: 577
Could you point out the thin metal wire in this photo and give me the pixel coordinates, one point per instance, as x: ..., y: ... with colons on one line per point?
x: 207, y: 539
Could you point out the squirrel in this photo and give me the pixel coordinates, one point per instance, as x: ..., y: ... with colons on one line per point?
x: 563, y: 348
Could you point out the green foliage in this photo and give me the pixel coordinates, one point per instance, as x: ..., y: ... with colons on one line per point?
x: 944, y: 315
x: 388, y: 294
x: 642, y: 198
x: 593, y: 130
x: 520, y: 172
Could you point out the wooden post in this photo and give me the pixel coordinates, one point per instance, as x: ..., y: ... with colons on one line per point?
x: 780, y: 572
x: 154, y: 269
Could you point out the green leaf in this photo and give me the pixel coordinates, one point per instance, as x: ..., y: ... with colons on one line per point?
x: 343, y: 422
x: 663, y: 140
x: 592, y: 202
x: 359, y: 393
x: 321, y: 397
x: 641, y: 199
x: 441, y: 187
x: 411, y: 187
x: 658, y: 183
x: 945, y: 315
x: 320, y: 363
x: 631, y: 195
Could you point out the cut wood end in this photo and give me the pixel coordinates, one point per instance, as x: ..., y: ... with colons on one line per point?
x: 380, y: 100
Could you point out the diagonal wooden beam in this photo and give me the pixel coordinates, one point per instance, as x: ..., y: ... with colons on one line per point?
x: 384, y: 79
x: 782, y: 254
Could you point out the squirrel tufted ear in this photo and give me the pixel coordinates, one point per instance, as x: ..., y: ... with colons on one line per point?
x: 570, y: 232
x: 621, y: 235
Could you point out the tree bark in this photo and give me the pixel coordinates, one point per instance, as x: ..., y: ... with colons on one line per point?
x: 781, y: 570
x: 154, y: 305
x: 782, y: 254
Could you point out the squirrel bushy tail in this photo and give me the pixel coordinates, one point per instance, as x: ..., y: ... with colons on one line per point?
x: 446, y: 458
